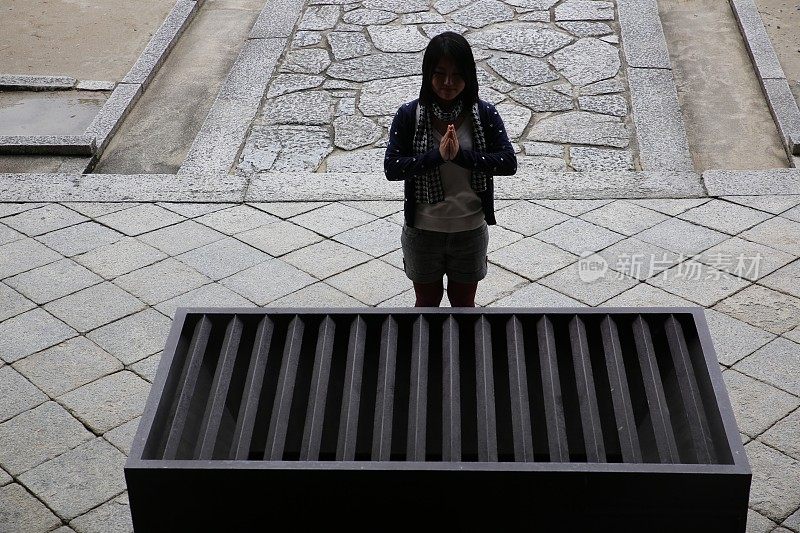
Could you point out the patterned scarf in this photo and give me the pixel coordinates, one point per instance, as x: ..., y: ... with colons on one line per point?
x: 428, y: 187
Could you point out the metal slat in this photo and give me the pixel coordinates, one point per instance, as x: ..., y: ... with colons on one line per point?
x: 587, y: 397
x: 384, y: 396
x: 451, y: 392
x: 620, y: 394
x: 654, y: 389
x: 418, y: 393
x: 518, y: 385
x: 279, y: 421
x: 551, y: 387
x: 484, y: 375
x: 348, y: 422
x: 215, y: 407
x: 251, y: 394
x: 315, y: 415
x: 690, y: 394
x: 197, y: 350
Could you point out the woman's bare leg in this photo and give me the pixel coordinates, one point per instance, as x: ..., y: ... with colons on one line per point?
x: 429, y: 294
x: 461, y: 294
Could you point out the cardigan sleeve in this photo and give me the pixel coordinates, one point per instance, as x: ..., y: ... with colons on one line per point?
x: 499, y: 158
x: 400, y: 162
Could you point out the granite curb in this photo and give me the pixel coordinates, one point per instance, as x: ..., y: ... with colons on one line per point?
x: 752, y: 182
x: 644, y: 43
x: 277, y: 19
x: 24, y: 82
x: 48, y: 144
x: 111, y: 115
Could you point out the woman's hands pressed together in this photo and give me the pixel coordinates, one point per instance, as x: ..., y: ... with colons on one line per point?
x: 448, y: 146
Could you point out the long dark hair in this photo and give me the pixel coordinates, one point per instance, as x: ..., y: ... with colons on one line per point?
x: 455, y: 46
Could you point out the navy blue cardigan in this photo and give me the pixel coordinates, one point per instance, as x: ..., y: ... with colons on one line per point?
x: 400, y: 163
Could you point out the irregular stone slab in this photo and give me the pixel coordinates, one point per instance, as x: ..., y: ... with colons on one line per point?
x: 347, y: 44
x: 383, y: 97
x: 285, y: 148
x: 307, y: 107
x: 370, y: 160
x: 515, y: 118
x: 522, y: 69
x: 319, y: 18
x: 289, y: 83
x: 377, y: 66
x: 587, y: 29
x: 351, y: 132
x: 339, y: 84
x: 563, y: 88
x: 581, y: 127
x: 365, y: 17
x: 587, y: 61
x: 309, y: 61
x: 542, y: 99
x: 611, y: 39
x: 536, y: 16
x: 551, y: 150
x: 432, y: 30
x: 645, y: 45
x: 541, y: 164
x: 585, y: 158
x: 482, y: 13
x: 342, y: 26
x: 397, y: 6
x: 306, y: 38
x: 523, y: 37
x: 490, y: 95
x: 602, y: 87
x: 659, y: 122
x: 607, y: 104
x: 397, y: 38
x: 585, y: 10
x: 346, y: 106
x: 448, y: 6
x: 532, y: 5
x: 422, y: 18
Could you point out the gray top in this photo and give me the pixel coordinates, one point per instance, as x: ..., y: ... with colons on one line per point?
x: 461, y: 209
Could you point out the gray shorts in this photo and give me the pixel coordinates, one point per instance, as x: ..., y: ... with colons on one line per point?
x: 429, y: 255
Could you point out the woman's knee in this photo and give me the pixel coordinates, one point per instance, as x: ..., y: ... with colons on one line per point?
x: 429, y: 294
x: 461, y: 294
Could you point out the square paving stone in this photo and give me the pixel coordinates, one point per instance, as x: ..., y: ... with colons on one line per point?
x: 792, y: 523
x: 734, y: 339
x: 743, y: 258
x: 568, y: 281
x: 120, y: 257
x: 670, y: 206
x: 498, y: 283
x: 287, y: 209
x: 108, y: 402
x: 500, y: 236
x: 371, y: 282
x: 792, y: 214
x: 29, y: 333
x: 236, y: 219
x: 379, y: 208
x: 573, y: 207
x: 279, y: 238
x: 326, y: 258
x: 756, y: 405
x: 80, y: 238
x: 404, y: 299
x: 95, y: 306
x: 12, y: 208
x: 793, y: 334
x: 775, y: 204
x: 140, y: 219
x: 268, y: 281
x: 98, y: 209
x: 724, y: 216
x: 681, y: 236
x: 211, y: 295
x: 161, y: 281
x: 193, y: 210
x: 764, y: 308
x: 578, y: 236
x: 134, y: 337
x: 536, y: 295
x: 5, y: 478
x: 786, y: 279
x: 644, y: 295
x: 44, y: 219
x: 777, y: 362
x: 375, y: 238
x: 147, y: 367
x: 122, y: 436
x: 9, y: 235
x: 20, y: 512
x: 67, y: 366
x: 223, y: 258
x: 758, y: 523
x: 79, y: 479
x: 624, y: 217
x: 777, y: 232
x: 35, y: 436
x: 531, y: 258
x: 394, y: 258
x: 332, y: 219
x: 528, y: 218
x: 17, y: 394
x: 181, y: 237
x: 775, y: 490
x: 24, y: 254
x: 698, y: 282
x: 113, y: 516
x: 638, y: 259
x: 52, y: 281
x: 784, y: 435
x: 13, y: 303
x: 317, y: 295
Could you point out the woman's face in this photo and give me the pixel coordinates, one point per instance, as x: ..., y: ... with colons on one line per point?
x: 447, y: 81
